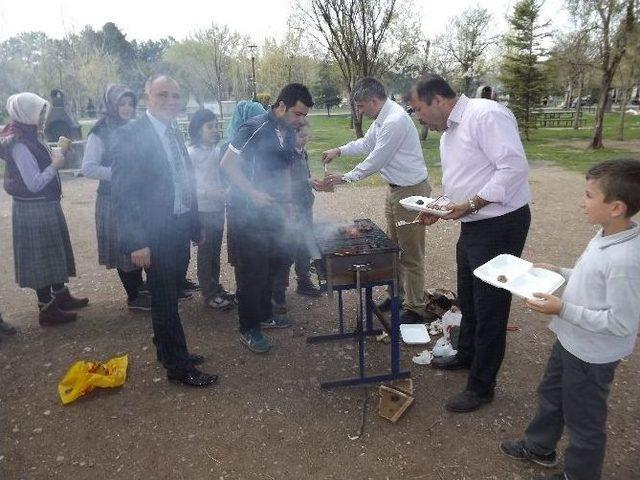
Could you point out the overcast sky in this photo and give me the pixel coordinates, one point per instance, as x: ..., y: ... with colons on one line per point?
x: 144, y: 20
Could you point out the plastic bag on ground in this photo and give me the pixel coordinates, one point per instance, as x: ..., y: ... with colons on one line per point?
x: 83, y: 377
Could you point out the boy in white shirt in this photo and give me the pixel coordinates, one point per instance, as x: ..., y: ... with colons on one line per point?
x: 596, y: 322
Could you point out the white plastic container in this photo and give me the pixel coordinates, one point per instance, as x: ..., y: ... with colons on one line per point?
x: 411, y: 203
x: 518, y: 276
x: 414, y: 333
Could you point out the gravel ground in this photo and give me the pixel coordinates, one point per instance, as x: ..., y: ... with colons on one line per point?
x: 267, y: 417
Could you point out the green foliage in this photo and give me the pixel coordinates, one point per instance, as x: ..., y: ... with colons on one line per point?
x: 326, y: 90
x: 522, y: 73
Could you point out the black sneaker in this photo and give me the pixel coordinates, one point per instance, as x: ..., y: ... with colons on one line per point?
x: 184, y: 295
x: 190, y: 286
x: 142, y: 303
x: 307, y: 288
x: 517, y: 449
x: 6, y: 328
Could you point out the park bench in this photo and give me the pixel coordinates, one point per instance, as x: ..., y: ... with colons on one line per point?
x: 557, y: 119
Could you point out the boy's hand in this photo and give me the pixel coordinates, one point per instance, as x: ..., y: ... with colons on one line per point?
x: 547, y: 266
x: 548, y: 304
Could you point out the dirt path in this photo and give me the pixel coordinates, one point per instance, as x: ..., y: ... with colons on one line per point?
x: 267, y: 418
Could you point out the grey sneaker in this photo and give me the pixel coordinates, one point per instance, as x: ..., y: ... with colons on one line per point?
x: 142, y: 302
x: 277, y: 321
x: 218, y: 302
x: 255, y: 341
x: 518, y: 450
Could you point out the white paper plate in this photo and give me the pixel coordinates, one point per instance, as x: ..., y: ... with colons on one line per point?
x: 411, y: 203
x: 414, y: 333
x: 522, y: 279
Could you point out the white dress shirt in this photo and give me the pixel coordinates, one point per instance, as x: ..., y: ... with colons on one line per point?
x: 161, y: 129
x: 392, y: 146
x: 482, y: 155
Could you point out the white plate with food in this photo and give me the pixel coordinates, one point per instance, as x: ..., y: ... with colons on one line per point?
x: 430, y: 205
x: 414, y: 333
x: 518, y: 276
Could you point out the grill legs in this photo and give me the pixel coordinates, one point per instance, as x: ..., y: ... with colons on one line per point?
x: 365, y: 329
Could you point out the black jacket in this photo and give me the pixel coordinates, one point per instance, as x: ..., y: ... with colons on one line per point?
x: 142, y: 189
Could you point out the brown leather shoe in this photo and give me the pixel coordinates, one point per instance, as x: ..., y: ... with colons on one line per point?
x: 66, y: 301
x: 50, y: 314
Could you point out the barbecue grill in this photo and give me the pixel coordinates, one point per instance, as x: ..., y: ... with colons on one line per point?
x: 359, y: 256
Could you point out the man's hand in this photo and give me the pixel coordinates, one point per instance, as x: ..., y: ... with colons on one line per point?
x: 320, y: 186
x: 141, y: 258
x: 458, y: 210
x: 547, y: 266
x: 261, y: 199
x: 427, y: 218
x: 329, y: 155
x: 547, y: 304
x: 333, y: 179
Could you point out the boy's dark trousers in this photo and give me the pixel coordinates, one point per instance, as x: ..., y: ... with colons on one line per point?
x: 573, y: 393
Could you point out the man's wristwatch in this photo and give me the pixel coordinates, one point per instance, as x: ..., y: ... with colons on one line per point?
x: 473, y: 206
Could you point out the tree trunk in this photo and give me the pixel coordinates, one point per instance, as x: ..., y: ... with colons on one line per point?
x: 356, y: 120
x: 424, y: 133
x: 576, y: 118
x: 596, y: 141
x: 623, y: 107
x: 328, y: 111
x: 568, y: 96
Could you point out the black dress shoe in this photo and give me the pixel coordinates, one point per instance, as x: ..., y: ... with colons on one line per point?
x: 450, y: 363
x: 194, y: 378
x: 409, y: 316
x: 385, y: 305
x: 468, y: 401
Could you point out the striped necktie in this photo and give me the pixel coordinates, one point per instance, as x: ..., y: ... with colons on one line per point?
x: 179, y: 168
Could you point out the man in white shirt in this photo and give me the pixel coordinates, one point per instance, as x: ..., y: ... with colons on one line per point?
x: 392, y: 146
x: 485, y: 176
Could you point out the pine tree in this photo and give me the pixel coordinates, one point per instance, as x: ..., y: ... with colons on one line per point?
x: 521, y: 73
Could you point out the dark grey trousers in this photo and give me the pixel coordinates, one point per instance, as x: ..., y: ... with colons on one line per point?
x: 209, y: 253
x: 573, y: 393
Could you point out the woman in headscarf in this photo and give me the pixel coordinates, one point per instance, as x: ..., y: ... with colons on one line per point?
x: 245, y: 109
x: 120, y: 105
x: 43, y: 257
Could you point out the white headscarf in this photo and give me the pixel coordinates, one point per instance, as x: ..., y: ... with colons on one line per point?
x: 26, y: 107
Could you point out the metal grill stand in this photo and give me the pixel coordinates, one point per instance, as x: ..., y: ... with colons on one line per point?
x: 365, y: 271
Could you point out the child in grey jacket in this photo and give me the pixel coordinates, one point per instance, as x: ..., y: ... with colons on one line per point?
x: 596, y: 322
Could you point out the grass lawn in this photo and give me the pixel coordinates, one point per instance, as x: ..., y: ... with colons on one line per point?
x: 562, y: 146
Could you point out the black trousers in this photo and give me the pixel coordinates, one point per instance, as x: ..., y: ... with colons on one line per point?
x: 260, y: 258
x: 573, y: 393
x: 165, y: 277
x: 485, y: 309
x: 131, y: 281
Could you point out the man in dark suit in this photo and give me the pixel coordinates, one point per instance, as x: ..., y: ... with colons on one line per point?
x: 154, y: 199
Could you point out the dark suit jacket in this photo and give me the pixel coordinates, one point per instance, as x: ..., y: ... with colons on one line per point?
x: 142, y: 188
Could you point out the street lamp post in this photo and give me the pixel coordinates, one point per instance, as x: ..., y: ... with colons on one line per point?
x: 253, y: 71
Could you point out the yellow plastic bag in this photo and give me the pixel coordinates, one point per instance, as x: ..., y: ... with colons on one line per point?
x: 83, y: 377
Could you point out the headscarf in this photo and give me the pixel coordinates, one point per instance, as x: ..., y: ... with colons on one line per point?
x: 245, y: 109
x: 26, y: 108
x: 112, y: 96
